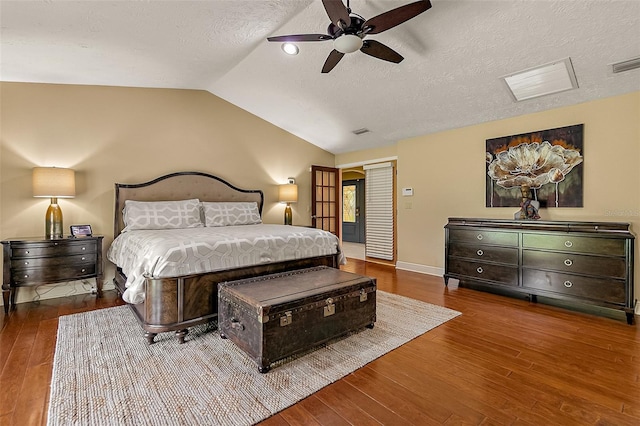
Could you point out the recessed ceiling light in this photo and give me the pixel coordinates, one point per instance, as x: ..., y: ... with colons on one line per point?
x: 551, y: 78
x: 290, y: 48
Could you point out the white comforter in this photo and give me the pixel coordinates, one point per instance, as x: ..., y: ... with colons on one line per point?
x: 175, y: 252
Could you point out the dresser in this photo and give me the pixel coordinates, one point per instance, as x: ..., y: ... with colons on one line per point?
x: 35, y: 261
x: 590, y: 263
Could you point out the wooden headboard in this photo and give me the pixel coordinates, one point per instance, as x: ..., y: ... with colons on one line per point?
x: 181, y: 186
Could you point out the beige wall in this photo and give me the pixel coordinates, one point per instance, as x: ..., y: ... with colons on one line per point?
x: 446, y: 171
x: 111, y: 134
x: 129, y: 135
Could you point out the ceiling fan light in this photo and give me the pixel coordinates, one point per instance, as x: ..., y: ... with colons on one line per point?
x: 290, y: 48
x: 347, y: 43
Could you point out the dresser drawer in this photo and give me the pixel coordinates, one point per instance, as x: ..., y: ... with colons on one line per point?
x: 483, y: 236
x: 615, y: 267
x: 28, y: 262
x: 480, y: 252
x: 33, y: 276
x: 502, y: 274
x: 597, y: 289
x: 50, y: 249
x: 575, y: 244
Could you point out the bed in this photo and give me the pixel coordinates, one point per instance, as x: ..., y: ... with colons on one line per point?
x: 165, y: 295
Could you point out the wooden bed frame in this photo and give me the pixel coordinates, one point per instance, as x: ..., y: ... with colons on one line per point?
x: 174, y: 304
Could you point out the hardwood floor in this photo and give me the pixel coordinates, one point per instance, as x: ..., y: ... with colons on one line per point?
x: 503, y: 361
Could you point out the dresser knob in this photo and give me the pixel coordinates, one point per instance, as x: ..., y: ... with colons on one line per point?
x: 568, y: 262
x: 479, y: 236
x: 479, y: 252
x: 26, y: 276
x: 27, y: 251
x: 83, y: 270
x: 568, y: 284
x: 84, y: 258
x: 26, y: 263
x: 480, y: 270
x: 568, y: 244
x: 84, y: 248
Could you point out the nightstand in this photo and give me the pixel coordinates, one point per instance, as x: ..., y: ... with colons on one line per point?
x: 35, y: 261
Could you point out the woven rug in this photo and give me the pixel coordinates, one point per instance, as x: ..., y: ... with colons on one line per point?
x: 104, y: 373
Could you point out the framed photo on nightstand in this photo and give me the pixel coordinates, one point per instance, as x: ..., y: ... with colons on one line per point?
x: 78, y: 231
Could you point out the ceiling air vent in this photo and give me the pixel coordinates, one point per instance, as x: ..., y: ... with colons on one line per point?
x: 631, y: 64
x: 361, y: 131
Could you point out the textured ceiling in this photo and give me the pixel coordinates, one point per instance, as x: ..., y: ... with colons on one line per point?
x: 455, y: 55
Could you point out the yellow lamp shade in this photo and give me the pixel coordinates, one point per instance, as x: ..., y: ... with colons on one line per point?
x: 288, y: 193
x: 54, y: 182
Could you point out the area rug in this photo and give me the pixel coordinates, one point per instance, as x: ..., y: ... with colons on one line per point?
x: 104, y: 373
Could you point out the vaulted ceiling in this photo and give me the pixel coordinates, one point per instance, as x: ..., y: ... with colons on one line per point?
x: 455, y: 55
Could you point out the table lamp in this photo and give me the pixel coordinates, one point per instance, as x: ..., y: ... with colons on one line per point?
x: 288, y: 193
x: 54, y: 183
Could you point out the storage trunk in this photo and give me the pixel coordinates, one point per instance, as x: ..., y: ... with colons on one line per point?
x: 274, y: 316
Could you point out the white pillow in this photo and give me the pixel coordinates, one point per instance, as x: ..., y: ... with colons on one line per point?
x: 161, y: 214
x: 231, y: 213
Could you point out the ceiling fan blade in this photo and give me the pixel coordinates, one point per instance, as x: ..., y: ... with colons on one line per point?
x: 394, y: 17
x: 332, y: 60
x: 380, y: 51
x: 301, y: 37
x: 337, y: 12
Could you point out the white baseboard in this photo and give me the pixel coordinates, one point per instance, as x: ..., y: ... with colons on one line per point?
x: 51, y: 291
x: 421, y: 269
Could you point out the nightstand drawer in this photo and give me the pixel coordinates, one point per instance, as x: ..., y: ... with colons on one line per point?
x: 51, y: 249
x: 507, y: 255
x: 481, y: 236
x: 79, y: 259
x: 502, y: 274
x: 601, y: 289
x: 575, y: 244
x: 615, y: 267
x: 32, y: 276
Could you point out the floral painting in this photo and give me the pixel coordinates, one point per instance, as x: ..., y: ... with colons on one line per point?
x: 549, y: 162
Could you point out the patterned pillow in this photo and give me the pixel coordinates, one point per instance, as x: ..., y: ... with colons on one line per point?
x: 161, y: 214
x: 226, y: 214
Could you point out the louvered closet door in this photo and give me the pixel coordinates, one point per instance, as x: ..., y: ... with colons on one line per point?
x: 379, y: 206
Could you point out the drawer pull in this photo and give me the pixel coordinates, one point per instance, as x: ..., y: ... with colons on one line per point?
x: 480, y: 252
x: 84, y: 258
x: 84, y: 248
x: 27, y: 251
x: 568, y: 284
x: 83, y: 270
x: 26, y: 276
x: 26, y: 263
x: 480, y: 270
x: 568, y: 244
x: 479, y: 236
x: 568, y: 262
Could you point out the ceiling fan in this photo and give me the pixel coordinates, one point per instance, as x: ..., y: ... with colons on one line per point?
x: 348, y: 30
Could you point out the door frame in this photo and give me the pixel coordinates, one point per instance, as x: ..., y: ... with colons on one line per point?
x: 394, y: 160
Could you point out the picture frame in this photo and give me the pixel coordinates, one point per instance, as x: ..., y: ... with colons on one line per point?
x: 549, y: 162
x: 79, y: 231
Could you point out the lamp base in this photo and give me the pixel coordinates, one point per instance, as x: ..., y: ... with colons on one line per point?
x: 53, y: 221
x: 288, y: 215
